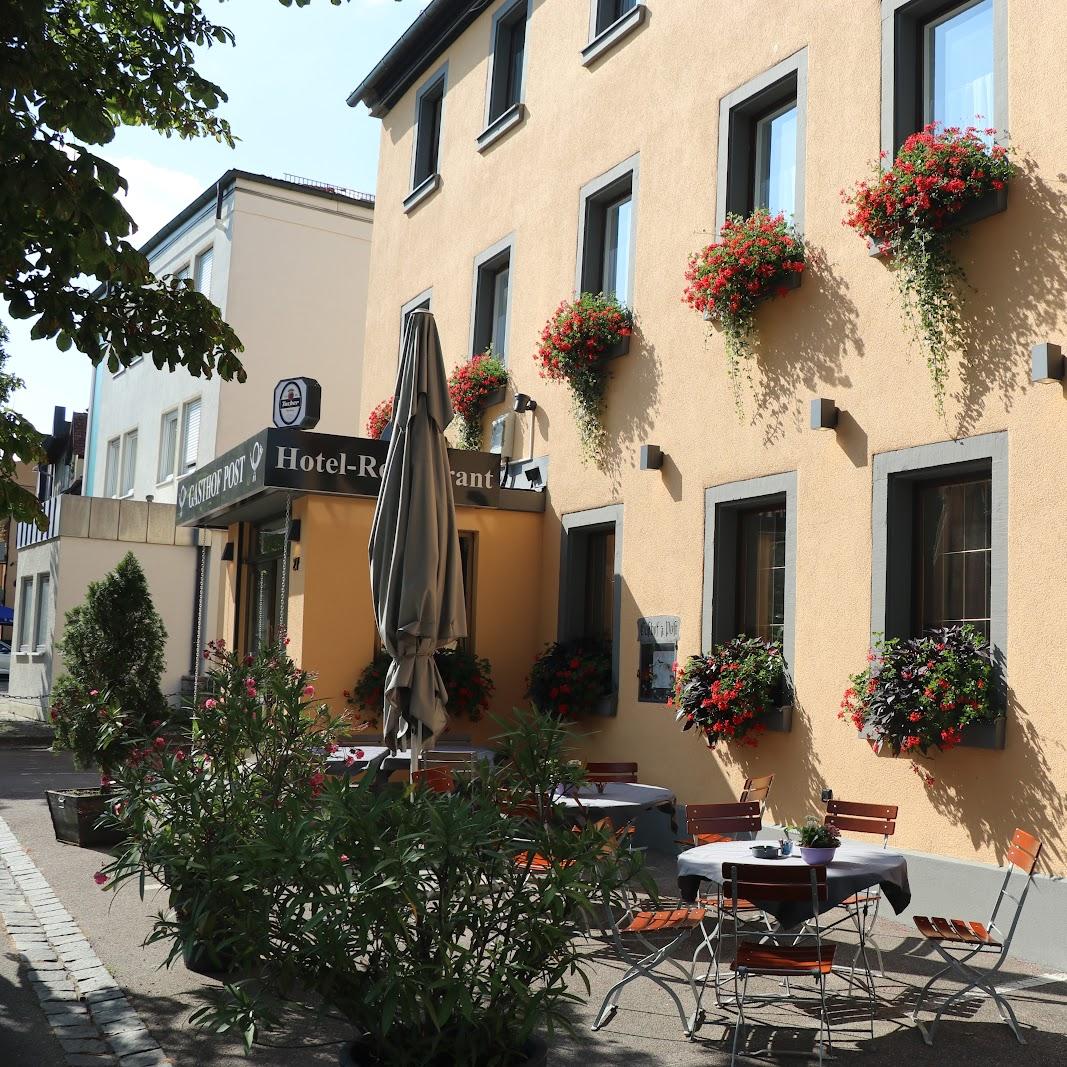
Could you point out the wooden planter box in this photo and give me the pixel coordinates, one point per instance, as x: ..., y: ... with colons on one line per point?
x: 75, y: 813
x: 986, y: 734
x: 495, y: 397
x: 993, y: 203
x: 780, y: 720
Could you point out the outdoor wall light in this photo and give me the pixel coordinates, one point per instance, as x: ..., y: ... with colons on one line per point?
x: 294, y: 531
x: 651, y: 458
x: 524, y: 402
x: 824, y: 413
x: 533, y: 476
x: 227, y: 552
x: 1046, y: 363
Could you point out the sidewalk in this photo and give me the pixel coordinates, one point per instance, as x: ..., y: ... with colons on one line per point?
x: 645, y: 1032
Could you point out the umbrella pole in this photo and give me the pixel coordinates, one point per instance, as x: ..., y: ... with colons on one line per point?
x: 416, y: 738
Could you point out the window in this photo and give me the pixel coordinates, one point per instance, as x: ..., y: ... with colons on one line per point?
x: 129, y: 463
x: 184, y: 271
x: 590, y: 584
x: 267, y: 574
x: 607, y: 237
x: 190, y: 434
x: 168, y: 446
x: 204, y: 262
x: 111, y: 467
x: 761, y: 143
x: 609, y: 11
x: 468, y: 549
x: 609, y: 22
x: 940, y: 539
x: 417, y: 303
x: 750, y: 561
x: 509, y: 47
x: 947, y: 64
x: 40, y: 612
x: 25, y: 614
x: 429, y: 109
x: 492, y: 277
x: 953, y: 547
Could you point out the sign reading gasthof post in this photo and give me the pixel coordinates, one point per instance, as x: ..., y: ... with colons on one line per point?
x: 303, y: 462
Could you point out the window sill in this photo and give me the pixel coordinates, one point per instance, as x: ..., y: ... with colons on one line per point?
x: 611, y: 35
x: 422, y: 192
x: 992, y: 203
x: 501, y: 125
x: 26, y: 656
x: 166, y: 481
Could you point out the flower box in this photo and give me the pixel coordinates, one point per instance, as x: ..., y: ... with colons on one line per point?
x: 497, y: 396
x: 788, y: 279
x: 620, y: 348
x: 993, y: 203
x: 75, y: 814
x: 779, y: 720
x: 985, y: 734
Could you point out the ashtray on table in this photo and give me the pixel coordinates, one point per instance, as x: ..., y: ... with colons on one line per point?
x: 765, y: 852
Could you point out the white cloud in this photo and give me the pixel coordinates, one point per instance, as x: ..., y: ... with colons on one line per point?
x: 156, y: 194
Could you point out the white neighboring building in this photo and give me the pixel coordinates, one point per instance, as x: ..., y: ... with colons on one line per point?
x: 287, y: 262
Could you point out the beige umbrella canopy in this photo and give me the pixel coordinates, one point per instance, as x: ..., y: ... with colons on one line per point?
x: 415, y: 570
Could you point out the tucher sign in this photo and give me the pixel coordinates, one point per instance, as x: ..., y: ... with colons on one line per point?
x: 297, y: 403
x: 302, y: 462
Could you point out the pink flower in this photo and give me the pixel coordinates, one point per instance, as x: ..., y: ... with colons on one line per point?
x: 309, y: 690
x: 359, y: 753
x: 94, y: 692
x: 211, y: 703
x: 343, y: 858
x: 349, y: 760
x: 180, y: 755
x: 100, y: 878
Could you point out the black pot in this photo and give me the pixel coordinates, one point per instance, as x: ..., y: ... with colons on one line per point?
x: 75, y: 813
x: 201, y: 957
x: 355, y: 1054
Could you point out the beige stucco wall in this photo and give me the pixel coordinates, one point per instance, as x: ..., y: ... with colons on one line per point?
x: 840, y: 335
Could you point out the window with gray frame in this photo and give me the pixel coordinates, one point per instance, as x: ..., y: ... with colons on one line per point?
x: 429, y: 109
x: 607, y: 234
x: 492, y: 281
x: 944, y: 62
x: 750, y: 561
x: 761, y: 154
x: 590, y: 584
x: 609, y: 11
x: 509, y: 55
x: 940, y: 538
x: 418, y: 303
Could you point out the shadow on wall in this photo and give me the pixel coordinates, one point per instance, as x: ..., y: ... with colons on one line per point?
x: 965, y: 789
x: 628, y: 425
x: 1023, y: 253
x: 804, y: 340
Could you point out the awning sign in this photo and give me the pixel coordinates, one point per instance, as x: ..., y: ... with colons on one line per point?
x: 305, y: 462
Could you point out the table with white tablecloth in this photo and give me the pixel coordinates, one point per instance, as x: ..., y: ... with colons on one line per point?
x: 621, y: 802
x: 854, y: 868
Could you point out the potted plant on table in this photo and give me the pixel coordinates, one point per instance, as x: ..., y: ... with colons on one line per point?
x: 422, y: 922
x: 113, y: 655
x: 472, y: 387
x: 818, y: 842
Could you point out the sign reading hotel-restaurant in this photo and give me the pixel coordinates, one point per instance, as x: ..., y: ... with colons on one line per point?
x: 304, y: 462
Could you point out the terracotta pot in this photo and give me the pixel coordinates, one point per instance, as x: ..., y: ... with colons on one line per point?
x: 75, y: 813
x: 354, y: 1054
x: 817, y: 857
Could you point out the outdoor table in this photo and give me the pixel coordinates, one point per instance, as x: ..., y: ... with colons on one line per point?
x: 338, y: 762
x: 621, y: 802
x: 855, y: 867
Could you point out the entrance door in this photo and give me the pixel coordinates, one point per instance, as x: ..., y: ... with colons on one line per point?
x: 267, y: 569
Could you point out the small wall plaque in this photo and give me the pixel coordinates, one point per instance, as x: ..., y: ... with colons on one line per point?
x: 658, y: 638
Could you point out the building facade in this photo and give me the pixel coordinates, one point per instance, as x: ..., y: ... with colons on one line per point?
x: 596, y: 144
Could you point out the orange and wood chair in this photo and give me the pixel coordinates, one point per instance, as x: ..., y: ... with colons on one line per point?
x: 958, y: 941
x: 436, y: 779
x: 768, y: 954
x: 862, y: 908
x: 757, y: 789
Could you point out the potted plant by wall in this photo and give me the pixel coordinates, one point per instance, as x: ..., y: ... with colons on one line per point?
x: 472, y: 387
x: 920, y: 694
x: 910, y: 210
x: 113, y: 648
x: 570, y: 679
x: 379, y: 418
x: 818, y: 842
x: 196, y: 816
x: 757, y: 257
x: 577, y: 343
x: 420, y: 922
x: 726, y: 694
x: 467, y: 678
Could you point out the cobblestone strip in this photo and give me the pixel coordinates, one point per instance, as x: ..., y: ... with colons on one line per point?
x: 87, y: 1009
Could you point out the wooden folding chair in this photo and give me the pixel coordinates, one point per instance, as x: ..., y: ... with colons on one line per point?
x: 436, y: 779
x: 969, y: 939
x: 862, y: 908
x: 757, y: 789
x: 769, y: 955
x: 601, y: 774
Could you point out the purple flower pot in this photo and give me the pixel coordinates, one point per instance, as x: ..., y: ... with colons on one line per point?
x: 817, y: 857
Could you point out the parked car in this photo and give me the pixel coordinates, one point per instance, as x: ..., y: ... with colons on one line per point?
x: 5, y: 657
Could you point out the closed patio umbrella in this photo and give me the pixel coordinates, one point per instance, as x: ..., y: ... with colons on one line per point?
x: 415, y: 569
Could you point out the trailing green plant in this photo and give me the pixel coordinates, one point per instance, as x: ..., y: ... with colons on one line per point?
x: 196, y: 810
x: 725, y: 693
x: 570, y: 678
x: 469, y: 387
x: 919, y: 693
x: 573, y: 347
x: 909, y: 209
x: 420, y: 920
x: 753, y: 260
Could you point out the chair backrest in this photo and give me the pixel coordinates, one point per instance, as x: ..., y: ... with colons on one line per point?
x: 862, y: 818
x: 611, y: 772
x: 436, y: 779
x: 756, y: 789
x: 723, y: 820
x: 770, y: 882
x: 1024, y: 850
x: 458, y: 758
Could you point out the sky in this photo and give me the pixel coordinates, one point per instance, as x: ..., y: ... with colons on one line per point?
x: 287, y: 77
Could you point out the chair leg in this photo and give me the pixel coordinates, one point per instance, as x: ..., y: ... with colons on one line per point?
x: 740, y: 1014
x: 1004, y: 1008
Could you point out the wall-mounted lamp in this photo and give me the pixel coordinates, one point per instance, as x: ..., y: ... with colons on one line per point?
x: 824, y: 413
x: 533, y: 476
x: 523, y: 402
x: 227, y: 552
x: 827, y: 795
x: 1046, y: 363
x: 651, y: 458
x: 294, y: 531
